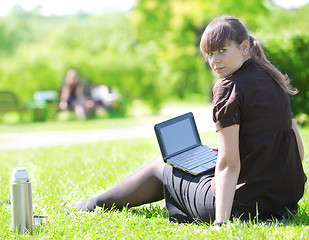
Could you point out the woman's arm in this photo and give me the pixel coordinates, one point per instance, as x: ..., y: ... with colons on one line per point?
x: 298, y: 139
x: 227, y: 171
x: 65, y: 93
x: 80, y: 91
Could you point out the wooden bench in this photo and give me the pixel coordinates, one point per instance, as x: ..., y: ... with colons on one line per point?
x: 45, y: 105
x: 9, y: 103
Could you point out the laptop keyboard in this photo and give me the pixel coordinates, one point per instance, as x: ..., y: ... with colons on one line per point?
x: 195, y: 157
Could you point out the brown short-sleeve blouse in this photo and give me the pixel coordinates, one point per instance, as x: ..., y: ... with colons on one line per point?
x: 271, y: 176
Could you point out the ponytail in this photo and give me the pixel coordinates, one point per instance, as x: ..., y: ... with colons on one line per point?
x: 258, y: 55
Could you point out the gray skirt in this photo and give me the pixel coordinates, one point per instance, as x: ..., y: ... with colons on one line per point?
x: 188, y: 198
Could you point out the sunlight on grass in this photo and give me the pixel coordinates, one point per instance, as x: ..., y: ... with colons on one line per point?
x: 61, y: 175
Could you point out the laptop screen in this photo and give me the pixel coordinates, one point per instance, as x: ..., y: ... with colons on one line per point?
x: 177, y: 135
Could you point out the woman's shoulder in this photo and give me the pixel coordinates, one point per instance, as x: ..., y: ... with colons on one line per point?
x: 246, y: 70
x: 224, y: 82
x: 223, y: 85
x: 224, y: 90
x: 249, y: 69
x: 242, y: 80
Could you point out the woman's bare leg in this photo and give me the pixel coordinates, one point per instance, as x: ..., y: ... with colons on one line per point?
x: 143, y: 186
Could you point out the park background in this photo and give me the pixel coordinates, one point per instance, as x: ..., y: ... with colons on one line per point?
x: 150, y: 54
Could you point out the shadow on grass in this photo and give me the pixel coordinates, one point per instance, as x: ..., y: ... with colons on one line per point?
x: 149, y: 211
x: 301, y: 218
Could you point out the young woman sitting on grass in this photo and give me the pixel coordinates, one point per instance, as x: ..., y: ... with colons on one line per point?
x: 260, y: 152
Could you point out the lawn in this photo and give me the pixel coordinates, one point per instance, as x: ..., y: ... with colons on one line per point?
x: 63, y: 174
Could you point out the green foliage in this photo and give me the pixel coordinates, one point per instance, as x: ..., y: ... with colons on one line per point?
x: 288, y: 52
x: 102, y: 48
x: 150, y: 53
x: 152, y: 19
x: 176, y: 27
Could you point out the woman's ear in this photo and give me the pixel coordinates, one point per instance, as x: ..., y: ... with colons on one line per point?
x: 244, y: 46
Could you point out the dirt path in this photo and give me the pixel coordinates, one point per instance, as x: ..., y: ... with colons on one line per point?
x: 53, y: 138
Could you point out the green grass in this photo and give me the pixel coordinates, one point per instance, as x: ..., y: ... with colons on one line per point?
x: 63, y: 174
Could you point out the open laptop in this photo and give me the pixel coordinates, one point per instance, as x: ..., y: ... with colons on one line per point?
x: 181, y: 146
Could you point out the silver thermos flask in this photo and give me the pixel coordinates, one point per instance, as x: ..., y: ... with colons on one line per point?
x: 22, y: 213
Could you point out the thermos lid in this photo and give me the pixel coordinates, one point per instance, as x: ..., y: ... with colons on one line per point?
x: 20, y: 174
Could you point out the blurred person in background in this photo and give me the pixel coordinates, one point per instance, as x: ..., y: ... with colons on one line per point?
x: 72, y: 96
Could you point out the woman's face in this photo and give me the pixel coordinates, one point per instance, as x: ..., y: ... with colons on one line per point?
x: 72, y: 77
x: 228, y: 59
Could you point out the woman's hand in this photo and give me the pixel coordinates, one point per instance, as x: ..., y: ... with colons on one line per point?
x: 214, y: 148
x: 63, y: 105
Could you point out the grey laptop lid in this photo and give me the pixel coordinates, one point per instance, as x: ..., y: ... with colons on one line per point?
x: 181, y: 146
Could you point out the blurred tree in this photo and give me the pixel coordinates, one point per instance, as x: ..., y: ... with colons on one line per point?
x: 13, y: 32
x: 151, y: 19
x: 176, y: 26
x: 289, y: 54
x: 150, y: 53
x: 281, y: 20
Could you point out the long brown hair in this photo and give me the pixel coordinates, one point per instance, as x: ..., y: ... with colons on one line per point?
x: 228, y: 28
